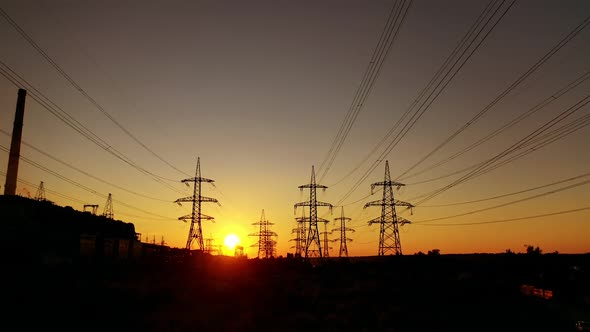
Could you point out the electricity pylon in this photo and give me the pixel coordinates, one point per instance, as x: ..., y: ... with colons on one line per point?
x: 389, y: 241
x: 94, y: 208
x: 196, y: 231
x: 40, y: 196
x: 108, y: 208
x: 325, y: 233
x: 343, y: 252
x: 300, y: 234
x: 266, y: 244
x: 313, y: 247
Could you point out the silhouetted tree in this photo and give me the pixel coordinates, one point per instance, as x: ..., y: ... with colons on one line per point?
x: 434, y: 252
x: 531, y: 250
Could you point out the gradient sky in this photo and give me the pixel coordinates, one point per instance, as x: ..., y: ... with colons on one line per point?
x: 259, y: 89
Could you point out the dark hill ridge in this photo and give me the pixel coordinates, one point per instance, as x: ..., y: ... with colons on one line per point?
x: 34, y: 229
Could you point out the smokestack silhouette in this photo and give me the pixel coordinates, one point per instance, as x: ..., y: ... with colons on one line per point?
x: 17, y: 132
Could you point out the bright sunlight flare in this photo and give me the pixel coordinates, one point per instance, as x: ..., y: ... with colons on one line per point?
x: 231, y: 240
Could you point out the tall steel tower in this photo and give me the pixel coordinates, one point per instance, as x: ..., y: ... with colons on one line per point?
x: 389, y: 242
x: 313, y: 248
x: 343, y: 252
x: 300, y: 234
x: 266, y: 244
x: 40, y: 195
x: 196, y: 232
x: 325, y: 233
x: 108, y: 208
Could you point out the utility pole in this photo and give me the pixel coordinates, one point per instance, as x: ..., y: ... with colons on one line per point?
x: 389, y: 241
x: 266, y: 244
x: 313, y: 247
x: 17, y: 133
x: 40, y: 196
x: 196, y: 231
x: 343, y: 252
x: 108, y: 208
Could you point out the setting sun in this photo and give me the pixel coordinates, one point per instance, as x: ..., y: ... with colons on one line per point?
x: 230, y: 241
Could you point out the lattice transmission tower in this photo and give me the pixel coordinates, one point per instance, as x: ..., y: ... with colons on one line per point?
x: 195, y: 232
x: 300, y: 234
x: 266, y: 243
x: 40, y: 196
x: 93, y: 207
x: 108, y: 208
x: 343, y: 252
x: 313, y: 247
x: 326, y: 240
x: 389, y: 241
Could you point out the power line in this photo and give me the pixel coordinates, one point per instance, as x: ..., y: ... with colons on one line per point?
x: 507, y: 195
x: 518, y: 145
x: 433, y: 80
x: 506, y: 204
x: 434, y: 93
x: 84, y: 172
x: 512, y: 219
x: 77, y: 184
x: 395, y: 20
x: 535, y: 145
x: 506, y: 91
x: 79, y: 88
x: 547, y: 101
x: 77, y: 126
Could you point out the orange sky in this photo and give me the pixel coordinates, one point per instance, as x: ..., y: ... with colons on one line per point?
x: 259, y: 91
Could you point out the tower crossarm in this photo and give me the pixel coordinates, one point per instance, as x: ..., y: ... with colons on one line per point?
x: 302, y: 219
x: 381, y: 203
x: 197, y: 179
x: 312, y: 186
x: 258, y: 223
x: 375, y: 221
x: 345, y: 228
x: 189, y: 217
x: 374, y: 203
x: 406, y: 204
x: 308, y: 203
x: 196, y: 199
x: 264, y: 233
x: 402, y: 221
x: 385, y: 184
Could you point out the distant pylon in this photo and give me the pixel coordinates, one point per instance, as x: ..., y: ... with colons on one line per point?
x: 389, y: 241
x: 300, y: 234
x: 239, y: 251
x: 313, y: 247
x: 40, y: 196
x: 108, y: 208
x: 266, y: 245
x: 94, y: 208
x: 325, y: 233
x: 343, y: 252
x: 196, y: 231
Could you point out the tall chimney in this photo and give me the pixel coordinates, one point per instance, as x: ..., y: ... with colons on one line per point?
x: 17, y: 133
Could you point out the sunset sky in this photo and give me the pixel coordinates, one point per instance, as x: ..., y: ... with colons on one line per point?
x: 260, y: 91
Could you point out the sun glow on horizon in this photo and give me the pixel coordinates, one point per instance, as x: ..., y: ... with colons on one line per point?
x: 231, y: 241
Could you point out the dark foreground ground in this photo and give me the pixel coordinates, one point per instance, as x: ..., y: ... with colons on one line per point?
x: 409, y: 293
